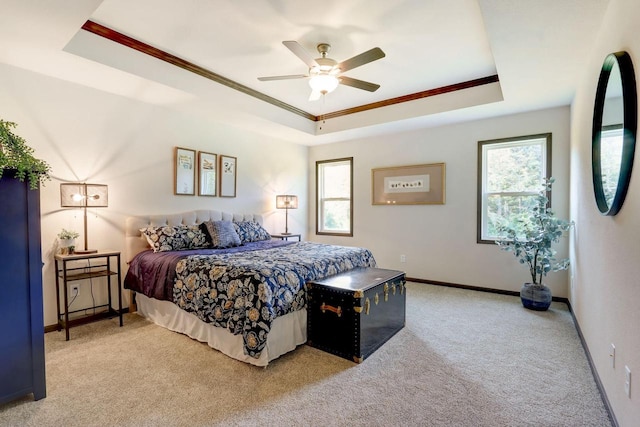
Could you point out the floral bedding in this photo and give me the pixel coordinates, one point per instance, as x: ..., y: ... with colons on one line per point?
x: 244, y: 291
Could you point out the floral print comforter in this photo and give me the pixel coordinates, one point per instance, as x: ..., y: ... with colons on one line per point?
x: 244, y: 292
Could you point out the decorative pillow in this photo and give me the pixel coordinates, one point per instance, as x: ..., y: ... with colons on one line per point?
x: 250, y: 231
x: 175, y: 238
x: 205, y: 230
x: 223, y: 234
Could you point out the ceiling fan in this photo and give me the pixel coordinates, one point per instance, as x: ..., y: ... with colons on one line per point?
x: 325, y: 73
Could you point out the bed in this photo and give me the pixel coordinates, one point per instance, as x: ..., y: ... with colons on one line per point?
x: 246, y: 301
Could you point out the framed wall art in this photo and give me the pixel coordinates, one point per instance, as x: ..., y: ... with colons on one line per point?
x: 408, y: 185
x: 207, y: 173
x: 227, y: 176
x: 184, y: 175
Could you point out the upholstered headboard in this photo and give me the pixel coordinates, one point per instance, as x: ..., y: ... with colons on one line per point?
x: 136, y: 243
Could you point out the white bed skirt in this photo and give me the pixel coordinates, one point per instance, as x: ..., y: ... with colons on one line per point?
x: 287, y: 332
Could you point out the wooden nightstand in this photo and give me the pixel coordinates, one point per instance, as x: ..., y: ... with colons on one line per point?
x: 69, y: 269
x: 285, y: 236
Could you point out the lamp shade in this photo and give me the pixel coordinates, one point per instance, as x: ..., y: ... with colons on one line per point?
x: 286, y: 201
x: 81, y: 195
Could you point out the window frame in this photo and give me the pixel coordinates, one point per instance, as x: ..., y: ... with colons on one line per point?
x: 320, y: 201
x: 482, y: 175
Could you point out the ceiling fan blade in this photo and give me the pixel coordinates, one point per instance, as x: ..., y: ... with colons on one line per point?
x: 358, y: 84
x: 291, y: 76
x: 358, y: 60
x: 301, y: 53
x: 315, y: 95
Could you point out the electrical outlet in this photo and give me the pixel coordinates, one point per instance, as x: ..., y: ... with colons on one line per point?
x: 403, y: 258
x: 627, y: 381
x: 612, y: 355
x: 75, y: 290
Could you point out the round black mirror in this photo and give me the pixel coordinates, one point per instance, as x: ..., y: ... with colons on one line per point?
x: 614, y: 132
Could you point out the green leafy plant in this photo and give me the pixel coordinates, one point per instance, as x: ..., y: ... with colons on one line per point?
x: 16, y: 155
x: 531, y: 241
x: 66, y: 234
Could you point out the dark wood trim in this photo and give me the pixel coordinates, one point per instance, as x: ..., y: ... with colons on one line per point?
x: 594, y: 372
x: 481, y: 144
x: 412, y: 97
x: 324, y: 233
x: 479, y: 171
x: 57, y: 327
x: 477, y: 288
x: 50, y: 328
x: 117, y: 37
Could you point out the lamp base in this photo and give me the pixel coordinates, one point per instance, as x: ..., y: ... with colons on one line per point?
x: 85, y: 251
x: 286, y: 234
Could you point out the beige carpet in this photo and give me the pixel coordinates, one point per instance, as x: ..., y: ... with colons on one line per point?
x: 465, y: 358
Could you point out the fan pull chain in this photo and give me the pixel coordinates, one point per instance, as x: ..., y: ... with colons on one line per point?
x: 322, y: 111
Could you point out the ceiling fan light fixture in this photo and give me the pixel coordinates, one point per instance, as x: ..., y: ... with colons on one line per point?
x: 325, y: 74
x: 324, y: 83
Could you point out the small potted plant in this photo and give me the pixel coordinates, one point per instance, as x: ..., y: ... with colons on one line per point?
x: 531, y: 243
x: 67, y: 241
x: 17, y: 157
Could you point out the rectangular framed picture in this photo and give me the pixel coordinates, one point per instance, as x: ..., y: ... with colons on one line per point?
x: 184, y: 181
x: 408, y: 185
x: 207, y: 173
x: 227, y: 176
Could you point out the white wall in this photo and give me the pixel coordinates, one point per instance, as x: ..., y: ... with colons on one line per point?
x: 88, y: 135
x: 439, y: 241
x: 606, y: 290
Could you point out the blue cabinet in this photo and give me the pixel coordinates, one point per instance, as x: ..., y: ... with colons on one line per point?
x: 22, y: 367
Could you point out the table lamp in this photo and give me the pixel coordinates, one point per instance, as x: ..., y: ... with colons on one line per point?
x: 286, y: 202
x: 83, y: 195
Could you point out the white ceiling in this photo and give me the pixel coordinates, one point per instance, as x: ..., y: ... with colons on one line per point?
x: 538, y: 48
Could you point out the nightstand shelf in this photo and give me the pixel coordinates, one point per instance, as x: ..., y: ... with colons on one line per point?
x: 67, y: 271
x: 283, y: 236
x: 82, y: 276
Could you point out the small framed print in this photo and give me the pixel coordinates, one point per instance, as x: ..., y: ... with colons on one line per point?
x: 227, y: 176
x: 207, y: 173
x: 408, y: 185
x: 184, y: 172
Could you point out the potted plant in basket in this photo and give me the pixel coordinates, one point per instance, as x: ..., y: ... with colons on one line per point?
x: 532, y: 246
x: 17, y: 156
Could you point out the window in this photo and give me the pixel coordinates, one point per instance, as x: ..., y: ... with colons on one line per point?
x: 510, y: 173
x: 611, y: 144
x: 334, y: 190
